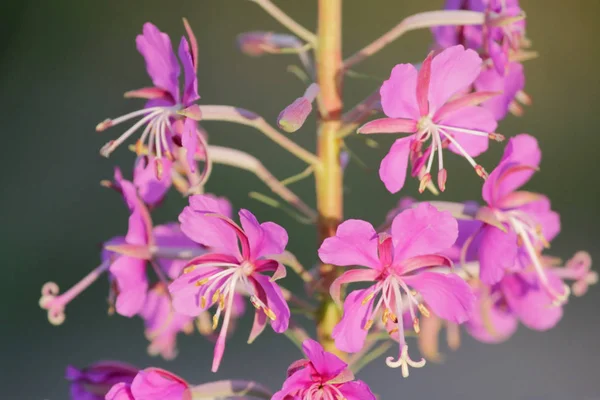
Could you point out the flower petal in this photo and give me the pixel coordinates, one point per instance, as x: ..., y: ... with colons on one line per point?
x: 352, y: 276
x: 150, y: 189
x: 161, y: 63
x: 211, y: 203
x: 497, y: 253
x: 189, y: 141
x: 521, y: 150
x: 120, y: 391
x: 265, y: 239
x: 422, y: 230
x: 423, y: 81
x: 328, y: 365
x: 130, y: 274
x: 448, y: 296
x: 509, y: 85
x: 452, y: 71
x: 399, y: 93
x: 155, y: 383
x: 349, y: 334
x: 532, y: 304
x: 356, y: 390
x: 274, y: 300
x: 187, y: 295
x: 190, y: 88
x: 489, y: 322
x: 543, y: 215
x: 471, y: 118
x: 354, y: 243
x: 294, y: 385
x: 389, y: 125
x: 392, y: 170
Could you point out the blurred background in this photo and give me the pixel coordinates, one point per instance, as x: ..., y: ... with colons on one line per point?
x: 64, y: 66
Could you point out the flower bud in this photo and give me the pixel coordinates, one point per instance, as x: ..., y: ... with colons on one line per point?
x: 95, y: 381
x: 258, y: 43
x: 293, y: 116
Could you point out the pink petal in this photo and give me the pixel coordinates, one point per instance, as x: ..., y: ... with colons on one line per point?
x: 193, y: 43
x: 422, y: 230
x: 474, y: 118
x: 171, y: 236
x: 189, y: 141
x: 211, y: 203
x: 190, y: 88
x: 543, y: 215
x: 467, y: 100
x: 399, y: 93
x: 509, y: 85
x: 423, y: 81
x: 150, y: 189
x: 148, y: 93
x: 265, y: 239
x: 274, y: 300
x: 448, y: 296
x: 452, y: 71
x: 392, y: 170
x: 326, y: 364
x: 531, y: 302
x: 120, y: 391
x: 497, y: 253
x: 389, y: 125
x: 349, y: 334
x: 523, y: 150
x: 155, y: 383
x: 295, y: 385
x: 209, y: 231
x: 357, y: 390
x: 130, y: 274
x: 258, y: 326
x: 161, y: 63
x: 186, y: 294
x: 352, y: 276
x: 354, y: 243
x: 486, y: 315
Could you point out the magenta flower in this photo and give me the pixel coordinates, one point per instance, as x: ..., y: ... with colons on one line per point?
x: 93, y: 382
x: 398, y: 265
x: 323, y: 376
x: 213, y: 278
x: 126, y: 259
x: 150, y: 384
x: 169, y: 116
x: 430, y: 104
x: 517, y: 224
x: 517, y: 297
x: 470, y: 35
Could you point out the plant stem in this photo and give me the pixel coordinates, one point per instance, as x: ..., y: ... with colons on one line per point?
x: 328, y: 174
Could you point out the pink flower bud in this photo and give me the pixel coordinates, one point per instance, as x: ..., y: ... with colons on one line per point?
x: 257, y: 43
x: 293, y: 116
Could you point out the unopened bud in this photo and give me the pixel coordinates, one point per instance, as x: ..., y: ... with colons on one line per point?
x: 257, y: 43
x: 293, y: 116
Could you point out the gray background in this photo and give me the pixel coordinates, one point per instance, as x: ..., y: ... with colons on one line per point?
x: 64, y: 66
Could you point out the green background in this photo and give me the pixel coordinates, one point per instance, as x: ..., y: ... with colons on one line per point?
x: 63, y: 68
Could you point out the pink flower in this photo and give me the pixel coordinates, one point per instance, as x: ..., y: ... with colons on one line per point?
x: 430, y: 104
x: 517, y: 297
x: 399, y: 266
x: 323, y: 376
x: 169, y: 116
x: 517, y: 224
x: 213, y: 278
x: 94, y: 381
x: 151, y: 384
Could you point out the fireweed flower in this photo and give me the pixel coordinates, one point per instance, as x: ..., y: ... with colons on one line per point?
x: 430, y: 104
x: 499, y: 39
x: 149, y: 384
x: 213, y: 278
x: 94, y: 381
x: 322, y: 377
x: 126, y: 258
x: 169, y: 116
x: 517, y: 224
x: 397, y: 264
x: 519, y: 296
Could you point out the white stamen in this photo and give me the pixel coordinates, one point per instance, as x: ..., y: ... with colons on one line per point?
x: 459, y: 147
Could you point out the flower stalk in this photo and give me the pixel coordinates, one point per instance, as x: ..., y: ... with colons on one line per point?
x: 328, y: 175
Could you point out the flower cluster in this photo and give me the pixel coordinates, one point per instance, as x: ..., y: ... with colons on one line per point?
x: 429, y: 265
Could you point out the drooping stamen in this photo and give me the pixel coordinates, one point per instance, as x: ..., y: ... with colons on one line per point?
x: 56, y: 304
